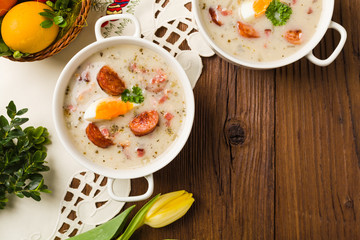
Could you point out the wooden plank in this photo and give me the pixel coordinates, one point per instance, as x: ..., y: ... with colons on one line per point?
x: 228, y: 160
x: 317, y: 141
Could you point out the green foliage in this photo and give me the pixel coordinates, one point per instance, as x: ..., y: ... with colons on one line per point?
x: 278, y: 13
x: 22, y: 157
x: 61, y: 9
x: 107, y: 230
x: 135, y: 96
x: 138, y: 219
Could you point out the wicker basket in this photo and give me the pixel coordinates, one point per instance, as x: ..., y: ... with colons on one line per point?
x: 64, y: 41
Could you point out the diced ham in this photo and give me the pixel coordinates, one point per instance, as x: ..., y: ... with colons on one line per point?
x: 166, y: 96
x: 224, y: 11
x: 310, y: 11
x: 85, y: 75
x: 168, y: 116
x: 140, y: 152
x: 134, y: 68
x: 267, y: 32
x: 159, y: 77
x: 105, y: 132
x: 125, y: 144
x: 80, y: 97
x: 163, y: 99
x: 158, y: 82
x: 71, y: 108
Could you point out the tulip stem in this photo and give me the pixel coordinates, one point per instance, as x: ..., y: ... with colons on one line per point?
x: 138, y: 220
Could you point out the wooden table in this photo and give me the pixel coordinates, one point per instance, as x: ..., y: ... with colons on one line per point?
x: 273, y: 154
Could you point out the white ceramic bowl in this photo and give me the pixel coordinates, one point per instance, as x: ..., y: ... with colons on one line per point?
x: 307, y: 50
x: 161, y: 161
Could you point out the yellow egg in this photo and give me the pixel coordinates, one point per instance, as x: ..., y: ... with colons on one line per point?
x: 250, y: 9
x: 21, y: 28
x: 107, y: 109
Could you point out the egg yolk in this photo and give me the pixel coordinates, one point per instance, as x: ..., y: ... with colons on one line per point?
x: 110, y: 109
x: 260, y: 7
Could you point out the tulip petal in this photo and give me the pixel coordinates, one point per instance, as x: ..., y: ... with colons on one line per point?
x: 171, y: 211
x: 163, y: 200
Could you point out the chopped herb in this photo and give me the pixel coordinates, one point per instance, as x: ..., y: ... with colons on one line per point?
x: 278, y: 13
x: 135, y: 96
x: 114, y: 129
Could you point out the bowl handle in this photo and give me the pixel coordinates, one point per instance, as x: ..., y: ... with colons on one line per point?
x: 149, y: 179
x: 104, y: 19
x: 329, y: 60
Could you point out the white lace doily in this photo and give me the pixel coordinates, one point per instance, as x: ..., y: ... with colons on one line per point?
x: 168, y: 23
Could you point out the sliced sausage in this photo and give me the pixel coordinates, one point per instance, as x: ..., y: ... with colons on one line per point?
x: 110, y: 82
x: 96, y: 137
x: 144, y: 123
x: 247, y: 30
x: 215, y: 17
x: 294, y: 36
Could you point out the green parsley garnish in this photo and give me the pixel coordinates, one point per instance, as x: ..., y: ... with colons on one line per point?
x: 135, y: 96
x: 22, y: 157
x: 278, y: 13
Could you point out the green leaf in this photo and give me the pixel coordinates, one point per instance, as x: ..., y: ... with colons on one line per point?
x: 35, y: 196
x: 45, y: 190
x: 18, y: 54
x: 11, y: 110
x: 15, y: 133
x: 20, y: 195
x: 138, y: 220
x: 46, y: 24
x: 49, y: 15
x: 107, y: 230
x: 9, y: 53
x: 58, y: 20
x: 38, y: 132
x: 278, y: 13
x: 50, y: 4
x: 63, y: 24
x: 19, y: 121
x: 26, y: 194
x: 3, y: 122
x: 4, y: 48
x: 21, y: 112
x: 36, y: 183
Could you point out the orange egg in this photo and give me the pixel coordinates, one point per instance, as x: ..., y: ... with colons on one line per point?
x: 260, y: 7
x: 111, y: 109
x: 107, y: 109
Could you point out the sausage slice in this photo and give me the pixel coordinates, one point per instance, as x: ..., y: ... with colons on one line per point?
x: 144, y: 123
x: 95, y: 136
x: 215, y: 17
x: 110, y: 82
x: 294, y: 36
x: 247, y: 30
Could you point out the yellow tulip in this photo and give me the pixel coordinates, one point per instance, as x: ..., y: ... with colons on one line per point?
x: 168, y: 208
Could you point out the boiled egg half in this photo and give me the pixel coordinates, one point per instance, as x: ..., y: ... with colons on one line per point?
x: 251, y: 9
x: 107, y: 109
